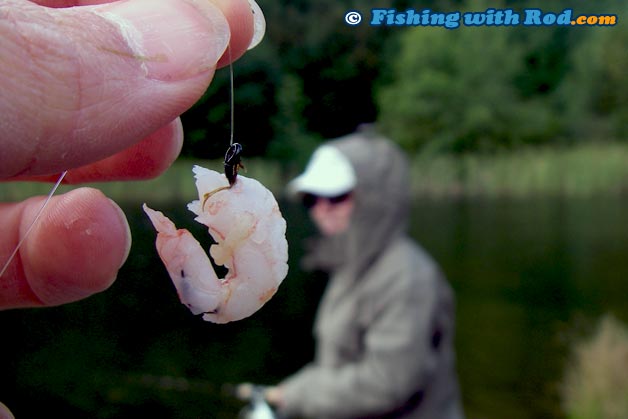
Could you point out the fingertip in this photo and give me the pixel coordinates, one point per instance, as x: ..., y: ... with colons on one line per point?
x: 171, y: 139
x: 77, y: 249
x: 5, y: 413
x: 243, y: 23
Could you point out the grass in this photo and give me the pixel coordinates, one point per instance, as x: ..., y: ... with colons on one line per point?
x: 596, y: 383
x: 580, y: 171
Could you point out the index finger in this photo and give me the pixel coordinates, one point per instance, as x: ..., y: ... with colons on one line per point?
x: 145, y: 160
x: 75, y: 249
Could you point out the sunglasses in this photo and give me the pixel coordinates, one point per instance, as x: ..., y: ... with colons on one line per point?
x: 309, y: 200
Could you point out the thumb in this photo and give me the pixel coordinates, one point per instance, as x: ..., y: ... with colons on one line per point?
x: 87, y: 82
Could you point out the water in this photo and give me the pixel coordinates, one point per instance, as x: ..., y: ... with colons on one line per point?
x: 529, y: 276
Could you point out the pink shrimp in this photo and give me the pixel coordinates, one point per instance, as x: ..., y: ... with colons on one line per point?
x: 249, y: 231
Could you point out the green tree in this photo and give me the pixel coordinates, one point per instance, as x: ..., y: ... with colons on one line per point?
x: 292, y: 144
x: 456, y: 90
x: 594, y: 94
x: 309, y: 58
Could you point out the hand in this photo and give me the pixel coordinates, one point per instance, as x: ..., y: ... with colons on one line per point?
x: 96, y: 89
x: 272, y: 394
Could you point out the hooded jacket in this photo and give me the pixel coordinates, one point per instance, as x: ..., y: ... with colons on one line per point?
x: 385, y: 326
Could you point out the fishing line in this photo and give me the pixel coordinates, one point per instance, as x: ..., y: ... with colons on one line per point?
x: 231, y: 94
x: 30, y: 227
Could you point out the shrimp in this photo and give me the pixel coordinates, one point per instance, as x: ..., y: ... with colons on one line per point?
x: 249, y: 231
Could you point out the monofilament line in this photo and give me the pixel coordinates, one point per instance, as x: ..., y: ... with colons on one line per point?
x: 231, y: 93
x: 30, y: 227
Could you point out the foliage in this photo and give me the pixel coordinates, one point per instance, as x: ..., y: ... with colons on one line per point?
x: 596, y: 384
x: 432, y: 89
x: 595, y: 93
x: 487, y: 88
x: 456, y: 90
x: 309, y: 58
x: 292, y: 144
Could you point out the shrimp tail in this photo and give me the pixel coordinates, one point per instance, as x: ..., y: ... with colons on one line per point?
x: 188, y: 265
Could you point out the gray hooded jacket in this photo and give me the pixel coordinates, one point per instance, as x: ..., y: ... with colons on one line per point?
x: 385, y: 326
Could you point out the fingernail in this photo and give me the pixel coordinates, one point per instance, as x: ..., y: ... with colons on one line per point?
x: 171, y: 39
x: 260, y: 24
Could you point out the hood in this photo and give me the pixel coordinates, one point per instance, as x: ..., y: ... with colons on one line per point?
x: 382, y: 202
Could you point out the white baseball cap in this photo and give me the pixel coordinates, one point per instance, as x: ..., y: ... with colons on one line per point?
x: 328, y: 173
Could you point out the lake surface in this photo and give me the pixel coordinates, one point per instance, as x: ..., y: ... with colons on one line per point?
x: 530, y: 277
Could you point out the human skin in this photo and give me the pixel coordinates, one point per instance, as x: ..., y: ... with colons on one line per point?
x: 96, y: 90
x: 332, y: 219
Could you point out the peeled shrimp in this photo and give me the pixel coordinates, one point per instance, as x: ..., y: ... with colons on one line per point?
x: 249, y: 231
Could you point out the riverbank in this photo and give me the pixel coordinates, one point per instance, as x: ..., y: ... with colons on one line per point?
x: 578, y: 171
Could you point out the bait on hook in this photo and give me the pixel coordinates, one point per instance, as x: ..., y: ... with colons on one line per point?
x: 232, y: 165
x: 250, y: 235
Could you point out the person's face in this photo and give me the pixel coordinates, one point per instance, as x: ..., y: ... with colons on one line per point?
x: 331, y: 215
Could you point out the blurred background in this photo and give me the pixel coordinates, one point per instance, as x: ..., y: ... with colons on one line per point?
x: 518, y: 138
